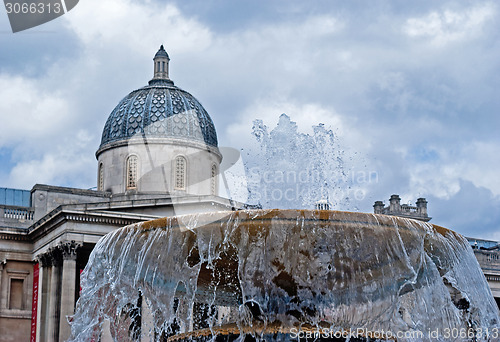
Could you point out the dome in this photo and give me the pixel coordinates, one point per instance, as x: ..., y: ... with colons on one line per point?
x: 161, y: 52
x: 159, y: 110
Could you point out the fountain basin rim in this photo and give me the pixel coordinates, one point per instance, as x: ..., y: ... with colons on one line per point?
x: 175, y: 222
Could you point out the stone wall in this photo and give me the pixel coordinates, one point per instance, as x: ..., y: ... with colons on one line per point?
x: 45, y: 198
x: 16, y: 284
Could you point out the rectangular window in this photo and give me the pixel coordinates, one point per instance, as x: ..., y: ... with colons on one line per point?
x: 16, y: 294
x: 100, y: 185
x: 213, y: 180
x: 180, y: 173
x: 132, y: 172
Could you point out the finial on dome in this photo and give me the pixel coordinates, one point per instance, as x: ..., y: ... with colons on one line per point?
x: 161, y: 60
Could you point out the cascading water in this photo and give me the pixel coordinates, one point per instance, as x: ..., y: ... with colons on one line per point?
x: 281, y: 275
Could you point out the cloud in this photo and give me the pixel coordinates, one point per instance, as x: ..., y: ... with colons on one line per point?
x: 125, y: 25
x: 52, y: 119
x: 480, y: 165
x: 446, y: 26
x: 472, y: 211
x: 442, y: 172
x: 304, y: 114
x: 423, y: 118
x: 29, y: 110
x: 68, y: 164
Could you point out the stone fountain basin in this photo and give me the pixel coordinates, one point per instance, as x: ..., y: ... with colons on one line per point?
x: 361, y: 256
x: 295, y: 268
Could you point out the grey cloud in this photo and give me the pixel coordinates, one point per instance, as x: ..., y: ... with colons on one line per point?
x: 473, y: 211
x: 399, y: 93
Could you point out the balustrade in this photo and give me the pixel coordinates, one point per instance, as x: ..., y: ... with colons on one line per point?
x: 16, y: 213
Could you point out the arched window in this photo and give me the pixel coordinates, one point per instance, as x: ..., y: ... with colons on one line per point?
x: 132, y: 172
x: 213, y: 180
x: 100, y: 178
x: 180, y: 173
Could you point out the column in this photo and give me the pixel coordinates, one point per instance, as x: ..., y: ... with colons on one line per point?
x: 43, y: 312
x: 53, y: 300
x: 2, y: 263
x: 38, y: 301
x: 68, y: 288
x: 1, y: 271
x: 378, y: 207
x: 422, y: 206
x: 395, y: 204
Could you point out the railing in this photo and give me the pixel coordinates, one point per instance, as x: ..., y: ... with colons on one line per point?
x: 490, y: 277
x: 404, y: 209
x: 409, y: 209
x: 17, y: 213
x: 492, y: 257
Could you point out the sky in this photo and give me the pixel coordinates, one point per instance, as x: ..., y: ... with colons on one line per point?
x: 409, y: 87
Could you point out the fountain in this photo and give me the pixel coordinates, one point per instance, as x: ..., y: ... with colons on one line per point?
x: 284, y: 275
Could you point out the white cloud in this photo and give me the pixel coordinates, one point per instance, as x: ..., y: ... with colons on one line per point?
x: 447, y: 26
x: 474, y: 162
x: 125, y: 25
x: 29, y: 110
x: 305, y: 115
x: 67, y: 163
x: 443, y: 181
x: 315, y: 26
x: 481, y: 165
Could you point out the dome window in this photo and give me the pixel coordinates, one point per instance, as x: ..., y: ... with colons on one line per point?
x: 180, y: 173
x: 213, y: 180
x: 100, y: 176
x: 132, y: 162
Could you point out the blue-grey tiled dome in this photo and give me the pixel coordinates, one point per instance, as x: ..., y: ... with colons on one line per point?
x: 159, y: 110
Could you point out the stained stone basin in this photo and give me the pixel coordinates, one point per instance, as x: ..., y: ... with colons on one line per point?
x: 274, y: 272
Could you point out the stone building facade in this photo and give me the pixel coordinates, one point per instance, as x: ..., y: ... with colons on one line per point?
x: 417, y: 212
x: 158, y: 157
x: 487, y: 253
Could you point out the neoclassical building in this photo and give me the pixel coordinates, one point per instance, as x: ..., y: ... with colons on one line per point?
x: 158, y: 157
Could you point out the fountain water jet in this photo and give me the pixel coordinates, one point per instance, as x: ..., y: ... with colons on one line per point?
x: 275, y: 273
